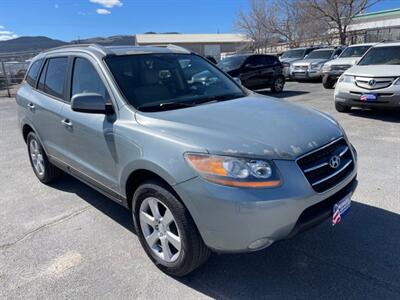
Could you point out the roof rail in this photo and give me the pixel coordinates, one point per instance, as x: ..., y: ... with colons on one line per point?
x: 98, y: 47
x: 173, y: 47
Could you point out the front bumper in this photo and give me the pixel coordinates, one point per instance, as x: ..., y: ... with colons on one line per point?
x: 306, y: 74
x: 231, y: 219
x: 349, y: 94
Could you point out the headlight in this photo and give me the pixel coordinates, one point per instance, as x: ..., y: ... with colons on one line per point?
x: 234, y: 171
x: 326, y: 68
x: 397, y: 82
x: 346, y: 78
x: 316, y: 66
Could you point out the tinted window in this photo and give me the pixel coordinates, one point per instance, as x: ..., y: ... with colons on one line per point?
x: 298, y: 53
x: 382, y: 56
x: 232, y: 62
x: 33, y: 72
x: 55, y: 76
x: 42, y: 77
x: 85, y: 79
x: 151, y: 81
x: 255, y: 61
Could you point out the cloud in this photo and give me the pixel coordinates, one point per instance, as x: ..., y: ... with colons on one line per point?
x: 6, y: 35
x: 107, y: 3
x: 102, y: 11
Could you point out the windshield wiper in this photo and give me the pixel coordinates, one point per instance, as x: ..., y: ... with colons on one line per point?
x: 218, y: 98
x: 163, y: 106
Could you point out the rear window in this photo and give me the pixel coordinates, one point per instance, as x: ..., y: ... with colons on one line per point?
x: 33, y: 72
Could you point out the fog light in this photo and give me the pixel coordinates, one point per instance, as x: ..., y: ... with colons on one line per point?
x: 261, y: 243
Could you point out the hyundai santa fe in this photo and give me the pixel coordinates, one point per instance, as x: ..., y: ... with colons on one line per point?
x: 204, y: 165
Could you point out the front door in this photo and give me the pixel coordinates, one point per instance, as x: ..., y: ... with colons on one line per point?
x: 89, y: 137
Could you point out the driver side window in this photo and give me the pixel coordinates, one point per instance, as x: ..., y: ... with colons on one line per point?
x: 85, y: 79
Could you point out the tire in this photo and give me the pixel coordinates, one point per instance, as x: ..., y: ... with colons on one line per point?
x: 342, y: 108
x: 47, y: 173
x: 173, y: 261
x: 328, y: 82
x: 277, y: 84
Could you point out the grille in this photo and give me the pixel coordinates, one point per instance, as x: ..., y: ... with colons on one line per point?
x: 304, y: 68
x: 340, y: 67
x: 374, y: 83
x: 316, y: 167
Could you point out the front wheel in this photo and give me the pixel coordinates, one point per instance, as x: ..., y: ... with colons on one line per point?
x: 166, y: 230
x: 342, y: 108
x: 277, y: 84
x: 328, y: 82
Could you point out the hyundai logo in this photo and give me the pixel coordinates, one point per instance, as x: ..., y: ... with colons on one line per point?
x: 372, y: 82
x: 334, y: 162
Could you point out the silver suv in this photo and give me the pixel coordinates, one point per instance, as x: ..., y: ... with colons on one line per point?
x: 203, y: 165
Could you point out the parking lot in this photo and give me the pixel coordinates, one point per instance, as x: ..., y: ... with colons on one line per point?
x: 68, y: 241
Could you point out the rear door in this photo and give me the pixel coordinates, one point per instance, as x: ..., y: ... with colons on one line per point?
x: 251, y: 76
x: 46, y: 102
x: 269, y: 66
x: 89, y: 138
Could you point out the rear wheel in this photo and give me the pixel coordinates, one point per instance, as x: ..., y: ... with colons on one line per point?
x: 277, y: 84
x: 44, y: 170
x: 342, y: 108
x: 166, y: 230
x: 328, y: 82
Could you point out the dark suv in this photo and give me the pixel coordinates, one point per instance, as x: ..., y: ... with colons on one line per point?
x: 256, y: 71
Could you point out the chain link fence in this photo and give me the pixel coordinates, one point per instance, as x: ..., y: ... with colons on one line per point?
x: 13, y: 67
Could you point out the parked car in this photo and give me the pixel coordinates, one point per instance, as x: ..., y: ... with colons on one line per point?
x: 311, y: 66
x: 374, y: 82
x: 334, y: 68
x: 202, y: 165
x: 255, y: 71
x: 290, y: 56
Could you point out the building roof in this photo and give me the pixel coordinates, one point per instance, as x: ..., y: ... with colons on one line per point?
x: 377, y: 14
x: 143, y: 39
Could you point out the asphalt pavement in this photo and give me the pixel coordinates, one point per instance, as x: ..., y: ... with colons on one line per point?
x: 68, y: 241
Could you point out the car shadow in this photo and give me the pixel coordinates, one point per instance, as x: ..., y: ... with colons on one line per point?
x: 359, y: 258
x: 383, y: 115
x: 283, y: 94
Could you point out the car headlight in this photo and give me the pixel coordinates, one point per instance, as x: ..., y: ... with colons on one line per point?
x: 316, y: 66
x: 326, y: 68
x: 234, y: 171
x: 397, y: 81
x: 346, y: 78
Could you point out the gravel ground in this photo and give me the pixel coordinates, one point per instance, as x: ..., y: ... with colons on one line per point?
x: 68, y: 241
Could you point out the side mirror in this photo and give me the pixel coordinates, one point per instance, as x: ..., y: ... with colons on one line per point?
x: 90, y: 103
x: 238, y: 81
x: 335, y: 56
x: 248, y: 66
x: 306, y: 56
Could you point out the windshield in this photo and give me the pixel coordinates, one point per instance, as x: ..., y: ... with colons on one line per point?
x: 153, y: 82
x: 321, y: 54
x: 356, y: 51
x: 299, y: 53
x: 382, y: 56
x: 232, y: 62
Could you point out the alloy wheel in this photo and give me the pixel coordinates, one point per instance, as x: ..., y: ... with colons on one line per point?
x: 160, y: 230
x: 37, y: 157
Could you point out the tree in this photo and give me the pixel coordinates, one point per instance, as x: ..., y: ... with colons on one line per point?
x: 337, y: 14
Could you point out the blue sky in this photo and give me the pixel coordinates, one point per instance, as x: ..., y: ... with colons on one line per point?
x: 70, y: 19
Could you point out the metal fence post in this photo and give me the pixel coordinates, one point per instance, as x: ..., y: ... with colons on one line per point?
x: 6, y: 79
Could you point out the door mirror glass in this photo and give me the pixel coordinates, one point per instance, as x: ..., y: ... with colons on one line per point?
x: 89, y: 103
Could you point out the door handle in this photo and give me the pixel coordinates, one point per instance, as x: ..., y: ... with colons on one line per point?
x: 66, y: 123
x: 31, y: 106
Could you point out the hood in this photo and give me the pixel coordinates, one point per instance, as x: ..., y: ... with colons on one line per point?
x: 309, y: 61
x: 374, y: 71
x: 290, y: 59
x: 254, y: 126
x: 343, y: 61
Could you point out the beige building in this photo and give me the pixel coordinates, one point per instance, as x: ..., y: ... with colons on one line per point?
x: 203, y: 44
